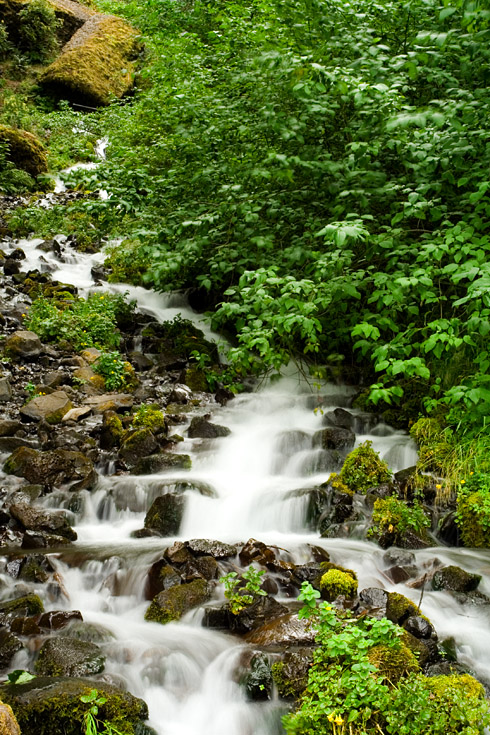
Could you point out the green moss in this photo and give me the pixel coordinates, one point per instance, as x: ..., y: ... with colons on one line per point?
x: 364, y: 469
x: 393, y: 518
x: 196, y: 379
x: 52, y: 706
x: 26, y: 605
x: 149, y: 416
x: 393, y: 663
x: 335, y: 481
x: 399, y: 608
x: 171, y: 604
x: 474, y: 520
x: 445, y: 687
x: 334, y: 583
x: 25, y: 150
x: 95, y: 64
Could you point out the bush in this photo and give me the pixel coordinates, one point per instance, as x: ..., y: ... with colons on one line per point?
x: 90, y: 322
x: 394, y: 517
x: 149, y: 416
x: 363, y: 469
x: 116, y: 371
x: 38, y: 26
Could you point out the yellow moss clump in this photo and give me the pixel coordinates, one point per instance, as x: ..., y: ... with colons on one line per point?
x: 444, y: 687
x: 95, y: 65
x: 335, y: 582
x: 8, y: 723
x: 393, y: 663
x: 25, y: 150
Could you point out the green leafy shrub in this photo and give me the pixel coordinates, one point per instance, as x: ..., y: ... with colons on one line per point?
x: 89, y: 322
x: 334, y: 583
x: 240, y: 594
x: 395, y: 517
x: 128, y: 262
x: 92, y: 725
x: 5, y: 45
x: 363, y: 469
x: 113, y: 368
x: 473, y: 510
x: 38, y: 26
x: 364, y: 681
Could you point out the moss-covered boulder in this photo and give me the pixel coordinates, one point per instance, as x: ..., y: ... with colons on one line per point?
x: 55, y: 468
x: 464, y: 685
x: 38, y: 519
x: 393, y: 663
x: 160, y: 462
x: 25, y: 151
x: 397, y: 523
x: 455, y: 579
x: 165, y: 514
x: 137, y: 443
x: 171, y: 604
x: 290, y: 675
x: 473, y: 520
x: 96, y: 64
x: 363, y: 469
x: 69, y: 657
x: 23, y: 344
x: 8, y: 721
x: 52, y: 706
x: 9, y: 645
x: 21, y: 606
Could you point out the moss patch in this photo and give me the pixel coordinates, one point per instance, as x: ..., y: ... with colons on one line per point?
x: 363, y: 469
x: 335, y: 582
x: 393, y: 663
x: 171, y: 604
x: 25, y: 151
x: 96, y: 64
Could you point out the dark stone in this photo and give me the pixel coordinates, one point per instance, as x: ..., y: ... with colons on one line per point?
x: 448, y: 531
x: 35, y: 568
x: 9, y: 645
x: 69, y: 657
x: 17, y: 254
x: 58, y: 619
x: 9, y: 427
x: 54, y: 468
x: 11, y: 267
x: 204, y: 567
x: 161, y: 576
x: 208, y: 547
x: 25, y: 627
x: 217, y: 617
x: 171, y: 604
x: 399, y: 557
x: 178, y: 553
x: 159, y: 462
x: 400, y: 574
x: 37, y: 519
x: 285, y: 630
x: 254, y: 675
x: 165, y: 514
x: 455, y: 579
x: 339, y: 417
x: 374, y: 598
x: 23, y: 345
x: 258, y: 552
x: 140, y: 443
x: 291, y: 673
x: 20, y: 606
x: 335, y: 437
x: 257, y: 614
x: 307, y: 573
x: 51, y: 706
x: 419, y: 627
x: 202, y: 428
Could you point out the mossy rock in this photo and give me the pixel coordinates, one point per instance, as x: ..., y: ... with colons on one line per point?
x: 22, y: 606
x: 63, y: 656
x: 171, y: 604
x: 363, y: 469
x: 399, y: 608
x: 290, y: 675
x: 52, y: 706
x: 8, y: 721
x: 95, y: 65
x: 137, y: 443
x: 473, y: 521
x: 335, y: 582
x: 25, y: 150
x: 393, y: 663
x: 396, y: 523
x: 71, y: 16
x: 196, y: 379
x: 445, y: 687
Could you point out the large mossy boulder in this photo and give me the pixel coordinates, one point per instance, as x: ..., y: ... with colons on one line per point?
x: 363, y: 469
x: 38, y: 519
x: 165, y: 515
x: 96, y: 64
x: 69, y: 657
x: 52, y: 706
x: 25, y: 151
x: 8, y: 722
x: 23, y: 344
x: 171, y: 604
x: 51, y: 469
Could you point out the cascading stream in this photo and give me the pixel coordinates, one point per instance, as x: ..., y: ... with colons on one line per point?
x: 253, y: 479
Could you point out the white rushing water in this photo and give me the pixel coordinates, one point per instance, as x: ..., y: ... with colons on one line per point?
x: 252, y: 479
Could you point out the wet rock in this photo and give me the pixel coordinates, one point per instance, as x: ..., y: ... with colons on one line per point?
x: 399, y: 557
x: 69, y: 657
x: 20, y: 607
x: 202, y: 428
x: 75, y: 414
x: 110, y: 402
x: 23, y: 345
x: 254, y: 675
x: 204, y: 567
x: 8, y: 427
x: 5, y: 390
x: 37, y: 519
x: 165, y: 514
x: 171, y: 604
x: 9, y: 645
x: 474, y: 598
x: 53, y: 468
x: 112, y: 431
x: 291, y: 673
x: 161, y: 576
x: 11, y: 267
x: 311, y: 573
x: 58, y: 619
x: 256, y: 615
x: 419, y: 627
x: 89, y: 632
x: 43, y: 540
x: 208, y: 547
x: 258, y: 552
x: 455, y: 579
x: 335, y: 437
x: 286, y: 630
x: 50, y: 408
x: 139, y: 443
x: 34, y: 568
x: 195, y: 379
x: 178, y: 553
x: 448, y: 530
x: 155, y: 463
x: 374, y: 599
x: 51, y: 706
x: 217, y: 617
x: 8, y: 722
